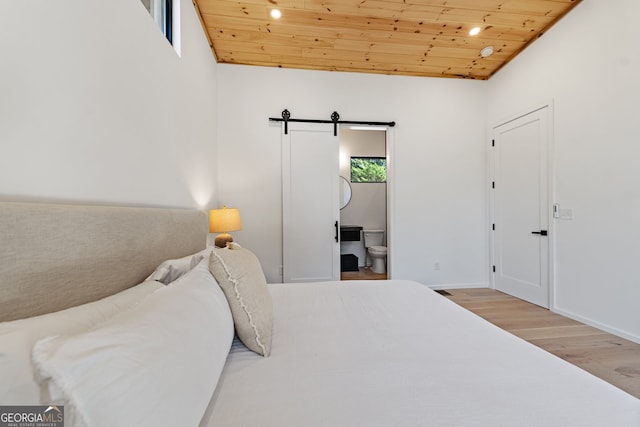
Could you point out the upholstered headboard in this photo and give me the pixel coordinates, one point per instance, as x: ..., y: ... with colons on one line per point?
x: 57, y: 256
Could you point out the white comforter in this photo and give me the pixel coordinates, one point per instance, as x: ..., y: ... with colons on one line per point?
x: 394, y: 353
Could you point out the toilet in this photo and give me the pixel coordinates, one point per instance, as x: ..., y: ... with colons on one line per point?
x: 373, y: 240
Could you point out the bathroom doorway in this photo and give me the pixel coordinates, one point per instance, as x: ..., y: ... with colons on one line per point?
x: 363, y: 214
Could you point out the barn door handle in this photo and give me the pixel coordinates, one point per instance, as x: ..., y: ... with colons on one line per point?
x: 336, y: 225
x: 541, y: 232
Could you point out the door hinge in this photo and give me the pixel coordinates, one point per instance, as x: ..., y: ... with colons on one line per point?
x: 493, y: 184
x: 493, y: 227
x: 493, y: 142
x: 494, y: 268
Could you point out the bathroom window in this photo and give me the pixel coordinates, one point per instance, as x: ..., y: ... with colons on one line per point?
x: 162, y: 12
x: 368, y: 169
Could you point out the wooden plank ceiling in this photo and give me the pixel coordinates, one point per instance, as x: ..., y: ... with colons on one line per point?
x: 406, y: 37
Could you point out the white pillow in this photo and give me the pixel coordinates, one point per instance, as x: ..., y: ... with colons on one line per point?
x: 155, y: 364
x: 170, y: 270
x: 17, y: 383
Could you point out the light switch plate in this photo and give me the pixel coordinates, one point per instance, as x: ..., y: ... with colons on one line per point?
x: 566, y: 214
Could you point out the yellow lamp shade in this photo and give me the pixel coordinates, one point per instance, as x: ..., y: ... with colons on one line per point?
x: 222, y: 221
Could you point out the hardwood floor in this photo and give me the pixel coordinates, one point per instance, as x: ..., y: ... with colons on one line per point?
x: 607, y: 356
x: 364, y: 273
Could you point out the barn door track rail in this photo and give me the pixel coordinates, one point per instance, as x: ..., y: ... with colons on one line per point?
x: 335, y: 120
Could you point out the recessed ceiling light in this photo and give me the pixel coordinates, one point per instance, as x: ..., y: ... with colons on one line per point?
x: 276, y: 14
x: 487, y: 51
x: 474, y: 31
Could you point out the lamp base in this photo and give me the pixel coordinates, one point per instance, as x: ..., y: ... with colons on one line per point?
x: 222, y: 239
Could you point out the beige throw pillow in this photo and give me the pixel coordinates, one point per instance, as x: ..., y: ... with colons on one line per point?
x: 239, y: 274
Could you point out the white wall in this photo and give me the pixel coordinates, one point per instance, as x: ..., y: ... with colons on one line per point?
x: 96, y: 106
x: 589, y: 64
x: 368, y: 205
x: 438, y: 157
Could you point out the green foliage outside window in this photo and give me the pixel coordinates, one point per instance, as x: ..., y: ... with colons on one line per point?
x: 368, y: 169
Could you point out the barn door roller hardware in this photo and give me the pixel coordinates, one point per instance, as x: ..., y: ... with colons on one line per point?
x: 335, y: 120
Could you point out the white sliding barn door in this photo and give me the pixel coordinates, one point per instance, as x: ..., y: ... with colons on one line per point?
x: 310, y: 197
x: 521, y: 207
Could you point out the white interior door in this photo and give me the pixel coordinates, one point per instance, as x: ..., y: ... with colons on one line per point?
x: 310, y: 211
x: 521, y: 207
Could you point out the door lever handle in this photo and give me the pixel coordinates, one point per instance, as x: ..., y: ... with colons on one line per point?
x: 541, y: 232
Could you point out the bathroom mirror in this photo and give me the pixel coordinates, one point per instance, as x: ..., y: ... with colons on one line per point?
x: 345, y: 192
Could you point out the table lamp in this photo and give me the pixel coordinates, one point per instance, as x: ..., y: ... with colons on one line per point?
x: 222, y: 221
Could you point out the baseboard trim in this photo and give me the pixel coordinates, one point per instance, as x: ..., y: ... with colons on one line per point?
x: 458, y: 286
x: 595, y: 324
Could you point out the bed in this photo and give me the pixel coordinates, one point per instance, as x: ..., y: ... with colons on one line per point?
x: 123, y: 316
